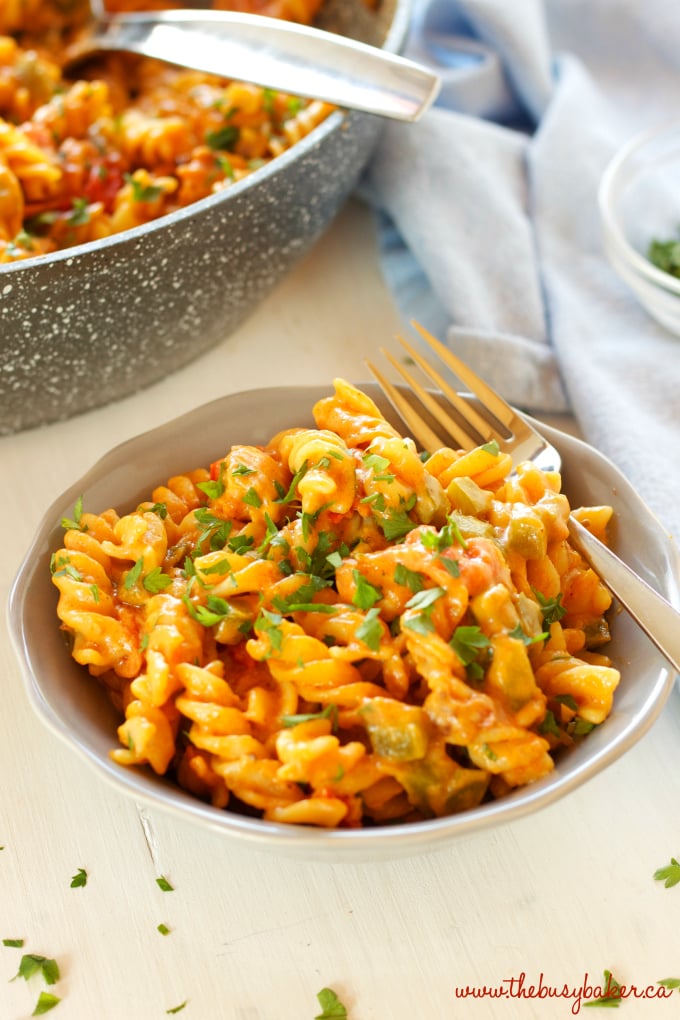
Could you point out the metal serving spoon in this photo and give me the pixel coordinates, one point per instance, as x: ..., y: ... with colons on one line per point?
x: 269, y: 52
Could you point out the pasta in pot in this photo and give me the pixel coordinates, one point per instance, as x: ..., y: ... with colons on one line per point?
x: 138, y: 139
x: 335, y: 630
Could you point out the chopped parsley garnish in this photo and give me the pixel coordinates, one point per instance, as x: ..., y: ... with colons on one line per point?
x: 580, y: 727
x: 411, y: 579
x: 46, y: 1002
x: 379, y: 466
x: 365, y: 594
x: 396, y: 525
x: 424, y: 599
x: 163, y: 929
x: 329, y: 712
x: 133, y: 575
x: 520, y: 635
x: 79, y: 879
x: 177, y: 1009
x: 142, y: 192
x: 450, y: 565
x: 377, y: 501
x: 491, y: 447
x: 665, y: 255
x: 290, y: 495
x: 163, y: 884
x: 13, y: 943
x: 423, y: 602
x: 156, y: 581
x: 240, y: 543
x: 75, y: 523
x: 331, y: 1006
x: 224, y: 138
x: 669, y: 875
x: 611, y: 996
x: 270, y: 624
x: 549, y: 725
x: 213, y: 489
x: 552, y: 608
x: 31, y: 964
x: 79, y: 214
x: 252, y: 498
x: 300, y: 600
x: 468, y: 642
x: 243, y: 469
x: 370, y: 629
x: 568, y: 700
x: 213, y: 612
x: 214, y: 530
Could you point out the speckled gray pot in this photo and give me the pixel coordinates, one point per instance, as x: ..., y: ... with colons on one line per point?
x: 92, y: 324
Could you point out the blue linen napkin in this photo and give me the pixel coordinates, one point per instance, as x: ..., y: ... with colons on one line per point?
x: 489, y: 224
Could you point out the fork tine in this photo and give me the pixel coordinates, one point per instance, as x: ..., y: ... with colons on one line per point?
x: 488, y: 397
x: 456, y: 433
x: 464, y: 408
x: 428, y: 439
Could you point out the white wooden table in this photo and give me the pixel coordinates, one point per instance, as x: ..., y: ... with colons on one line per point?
x: 557, y: 897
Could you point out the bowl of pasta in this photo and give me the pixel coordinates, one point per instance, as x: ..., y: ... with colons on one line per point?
x: 276, y: 618
x: 146, y: 210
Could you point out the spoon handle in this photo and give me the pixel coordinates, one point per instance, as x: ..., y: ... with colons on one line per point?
x: 274, y: 54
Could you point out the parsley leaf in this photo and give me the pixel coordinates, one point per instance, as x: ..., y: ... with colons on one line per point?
x: 214, y: 530
x: 224, y: 138
x: 611, y: 997
x: 79, y: 879
x: 213, y: 489
x: 332, y: 1007
x: 288, y: 497
x: 133, y: 575
x: 425, y: 599
x: 212, y: 613
x: 670, y: 875
x: 370, y: 629
x: 365, y: 595
x: 13, y: 943
x: 142, y: 192
x: 74, y: 524
x: 329, y: 712
x: 396, y: 525
x: 669, y: 982
x: 411, y: 579
x: 163, y: 929
x: 31, y: 963
x: 270, y: 624
x: 46, y: 1002
x: 252, y: 498
x: 177, y: 1009
x: 156, y: 581
x: 552, y: 608
x: 163, y: 884
x: 468, y: 642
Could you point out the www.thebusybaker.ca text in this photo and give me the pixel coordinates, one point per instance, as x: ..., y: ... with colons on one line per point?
x: 588, y: 991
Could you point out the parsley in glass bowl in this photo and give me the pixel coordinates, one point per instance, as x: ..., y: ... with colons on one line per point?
x: 639, y: 200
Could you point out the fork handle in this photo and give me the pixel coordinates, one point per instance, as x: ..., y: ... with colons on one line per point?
x: 658, y: 618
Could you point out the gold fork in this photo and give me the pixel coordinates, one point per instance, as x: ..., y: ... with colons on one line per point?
x: 455, y: 421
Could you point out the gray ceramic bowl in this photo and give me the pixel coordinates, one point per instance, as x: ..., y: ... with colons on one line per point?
x: 79, y: 712
x: 94, y: 323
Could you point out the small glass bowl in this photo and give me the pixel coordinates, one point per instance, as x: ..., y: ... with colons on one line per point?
x: 639, y: 201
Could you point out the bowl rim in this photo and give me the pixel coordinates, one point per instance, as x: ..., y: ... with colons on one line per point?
x: 355, y: 844
x: 610, y: 220
x: 397, y: 31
